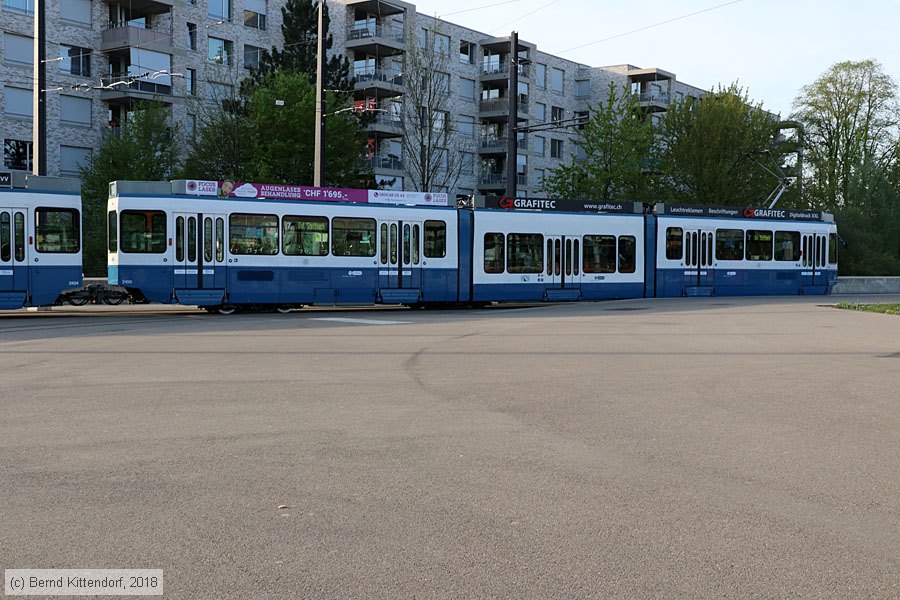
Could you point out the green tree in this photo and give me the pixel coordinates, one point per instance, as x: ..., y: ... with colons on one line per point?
x: 618, y: 144
x: 299, y: 29
x: 870, y: 223
x: 851, y: 117
x: 283, y: 135
x: 145, y: 148
x: 707, y: 145
x: 222, y: 147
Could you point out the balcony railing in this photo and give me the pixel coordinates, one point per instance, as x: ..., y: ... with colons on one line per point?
x: 390, y: 119
x: 659, y: 97
x: 386, y: 162
x: 492, y: 179
x: 135, y: 36
x: 495, y: 69
x: 125, y: 82
x: 492, y: 105
x: 363, y: 32
x: 375, y: 74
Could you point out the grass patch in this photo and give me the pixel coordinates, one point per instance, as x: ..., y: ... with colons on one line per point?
x: 888, y: 309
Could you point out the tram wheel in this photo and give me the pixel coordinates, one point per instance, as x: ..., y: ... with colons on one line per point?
x: 115, y: 298
x: 284, y: 309
x: 227, y: 309
x: 79, y: 298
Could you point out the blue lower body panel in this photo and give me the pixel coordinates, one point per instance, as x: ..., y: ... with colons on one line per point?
x: 744, y: 282
x: 541, y: 292
x: 200, y: 297
x: 12, y: 300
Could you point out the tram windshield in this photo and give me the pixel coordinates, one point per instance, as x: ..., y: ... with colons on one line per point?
x: 56, y: 230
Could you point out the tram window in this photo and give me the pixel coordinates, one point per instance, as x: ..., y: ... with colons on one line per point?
x: 305, y: 236
x: 143, y: 231
x: 179, y: 239
x: 599, y: 254
x: 525, y: 252
x: 56, y: 230
x: 415, y: 244
x: 759, y: 244
x: 20, y: 236
x: 5, y: 242
x: 568, y: 257
x: 384, y: 243
x: 112, y: 229
x: 832, y: 249
x: 549, y: 257
x: 575, y: 257
x: 627, y: 254
x: 253, y: 234
x: 207, y: 239
x: 674, y: 243
x: 192, y: 239
x: 393, y: 243
x: 730, y: 244
x: 787, y: 245
x: 821, y: 252
x: 406, y: 248
x: 493, y: 253
x: 435, y: 239
x: 352, y: 237
x: 220, y: 239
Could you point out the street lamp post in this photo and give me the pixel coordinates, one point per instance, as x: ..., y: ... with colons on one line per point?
x: 319, y: 166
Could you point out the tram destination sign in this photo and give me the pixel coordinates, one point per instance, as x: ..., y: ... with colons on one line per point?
x: 5, y: 180
x: 558, y: 205
x: 731, y: 212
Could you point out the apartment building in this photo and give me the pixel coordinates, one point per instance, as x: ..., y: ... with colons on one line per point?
x: 105, y: 55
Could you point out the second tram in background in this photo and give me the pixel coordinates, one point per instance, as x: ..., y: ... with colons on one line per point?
x: 225, y: 253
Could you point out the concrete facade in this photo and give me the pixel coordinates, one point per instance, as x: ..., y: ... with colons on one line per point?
x: 192, y: 53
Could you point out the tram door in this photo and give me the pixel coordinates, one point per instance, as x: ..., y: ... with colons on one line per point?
x: 199, y: 251
x: 813, y: 257
x: 563, y: 262
x: 699, y: 246
x: 400, y: 255
x: 13, y: 265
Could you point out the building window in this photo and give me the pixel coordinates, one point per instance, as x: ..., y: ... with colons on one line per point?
x: 539, y: 143
x: 252, y: 54
x: 466, y: 88
x: 557, y: 77
x: 583, y: 117
x: 441, y: 44
x: 219, y: 51
x: 190, y: 82
x: 557, y: 113
x: 466, y: 53
x: 190, y: 127
x: 18, y: 49
x: 77, y: 11
x: 556, y: 148
x: 540, y: 75
x: 17, y: 155
x: 466, y: 126
x: 20, y: 6
x: 538, y: 179
x: 75, y: 60
x: 74, y: 110
x: 582, y: 88
x: 540, y: 112
x: 467, y: 163
x: 192, y: 36
x: 17, y: 102
x: 443, y: 81
x: 255, y: 14
x: 72, y: 158
x: 220, y: 9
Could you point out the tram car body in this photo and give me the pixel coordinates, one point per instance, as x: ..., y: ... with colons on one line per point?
x: 40, y: 240
x: 229, y: 252
x: 752, y: 252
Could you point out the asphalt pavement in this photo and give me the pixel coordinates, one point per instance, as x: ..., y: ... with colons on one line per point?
x: 672, y: 448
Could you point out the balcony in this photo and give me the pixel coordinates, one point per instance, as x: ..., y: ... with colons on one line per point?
x: 493, y: 145
x: 492, y: 180
x: 386, y: 163
x: 497, y: 109
x: 123, y: 86
x: 655, y: 101
x: 129, y: 36
x: 152, y: 7
x: 385, y: 124
x: 375, y: 39
x: 381, y: 83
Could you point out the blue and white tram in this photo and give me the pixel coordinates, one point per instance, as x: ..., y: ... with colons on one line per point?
x: 40, y: 240
x: 744, y: 252
x: 556, y: 256
x: 227, y: 252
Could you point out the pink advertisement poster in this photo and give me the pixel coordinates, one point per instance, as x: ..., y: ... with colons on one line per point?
x: 247, y: 190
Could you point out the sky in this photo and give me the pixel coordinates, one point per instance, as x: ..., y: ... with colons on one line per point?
x: 772, y: 48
